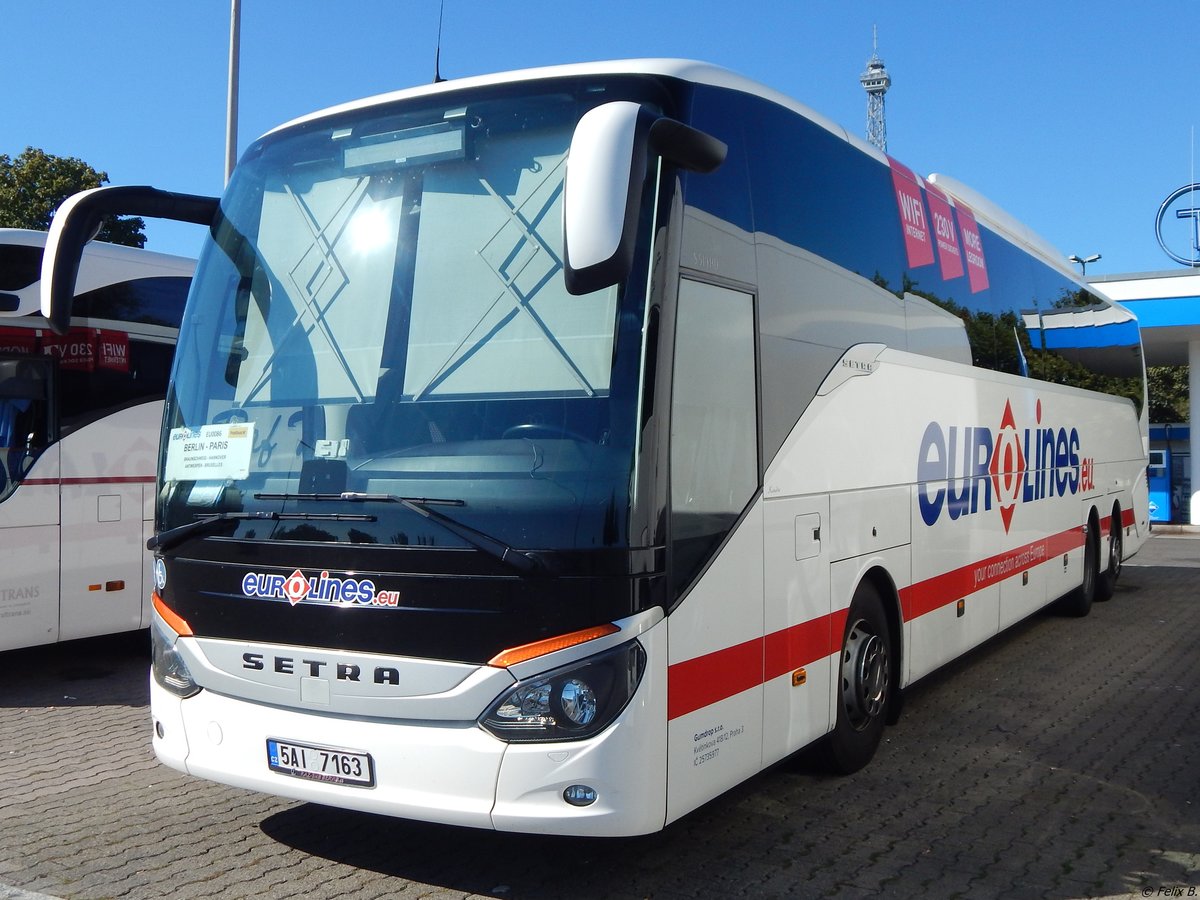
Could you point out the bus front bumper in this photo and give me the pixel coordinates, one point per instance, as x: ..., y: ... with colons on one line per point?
x: 450, y: 773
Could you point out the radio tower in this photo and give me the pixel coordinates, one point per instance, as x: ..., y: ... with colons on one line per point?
x: 875, y: 82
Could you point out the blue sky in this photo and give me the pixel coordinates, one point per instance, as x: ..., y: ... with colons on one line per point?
x: 1075, y: 117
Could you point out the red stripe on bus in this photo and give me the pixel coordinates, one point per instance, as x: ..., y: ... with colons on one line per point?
x: 100, y: 479
x: 803, y: 644
x: 1127, y: 520
x: 950, y: 587
x: 704, y: 680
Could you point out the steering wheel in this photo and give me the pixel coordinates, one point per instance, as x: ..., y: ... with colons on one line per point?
x: 538, y: 429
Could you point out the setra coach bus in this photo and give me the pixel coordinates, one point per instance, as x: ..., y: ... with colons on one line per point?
x: 552, y: 451
x: 80, y: 415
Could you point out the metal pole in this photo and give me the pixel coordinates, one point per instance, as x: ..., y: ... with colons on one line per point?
x: 231, y: 115
x: 1192, y: 513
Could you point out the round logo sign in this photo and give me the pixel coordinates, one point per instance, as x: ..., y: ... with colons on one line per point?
x: 1178, y: 225
x: 160, y: 573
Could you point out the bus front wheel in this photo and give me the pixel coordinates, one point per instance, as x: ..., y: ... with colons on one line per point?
x: 865, y: 685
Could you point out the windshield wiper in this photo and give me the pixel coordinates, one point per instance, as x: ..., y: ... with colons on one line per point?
x: 172, y: 536
x: 524, y: 561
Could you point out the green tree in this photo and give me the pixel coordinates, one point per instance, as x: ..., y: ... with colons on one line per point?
x: 35, y: 184
x: 1168, y: 390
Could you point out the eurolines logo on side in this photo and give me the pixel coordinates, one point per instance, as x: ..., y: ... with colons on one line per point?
x: 960, y: 468
x: 323, y: 588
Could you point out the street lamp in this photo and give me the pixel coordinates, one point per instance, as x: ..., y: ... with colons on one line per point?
x: 1083, y: 261
x: 231, y: 106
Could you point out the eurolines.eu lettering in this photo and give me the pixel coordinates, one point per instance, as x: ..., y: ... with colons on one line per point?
x: 323, y: 588
x: 960, y: 468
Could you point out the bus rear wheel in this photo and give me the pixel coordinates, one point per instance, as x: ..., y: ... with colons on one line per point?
x: 1107, y: 582
x: 1078, y: 603
x: 865, y: 690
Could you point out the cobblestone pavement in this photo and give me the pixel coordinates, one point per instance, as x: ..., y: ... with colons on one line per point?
x: 1061, y: 760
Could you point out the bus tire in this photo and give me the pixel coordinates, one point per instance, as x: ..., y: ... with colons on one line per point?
x: 1078, y: 603
x: 865, y: 685
x: 1107, y: 581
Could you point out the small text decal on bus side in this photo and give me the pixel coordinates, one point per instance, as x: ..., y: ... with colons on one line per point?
x: 960, y: 467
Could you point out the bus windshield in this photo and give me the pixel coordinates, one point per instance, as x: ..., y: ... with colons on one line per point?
x: 380, y: 313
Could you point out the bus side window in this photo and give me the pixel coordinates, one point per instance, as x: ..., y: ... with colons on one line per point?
x: 24, y: 416
x: 141, y: 317
x: 714, y: 432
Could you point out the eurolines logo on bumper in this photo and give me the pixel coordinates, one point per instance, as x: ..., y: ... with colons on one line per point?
x: 959, y: 469
x: 323, y: 588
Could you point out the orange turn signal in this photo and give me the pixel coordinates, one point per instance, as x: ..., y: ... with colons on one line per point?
x: 173, y: 619
x: 511, y: 657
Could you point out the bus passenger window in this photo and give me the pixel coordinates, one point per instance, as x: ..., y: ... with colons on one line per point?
x: 24, y: 418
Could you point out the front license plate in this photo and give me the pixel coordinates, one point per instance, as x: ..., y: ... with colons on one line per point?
x: 325, y: 764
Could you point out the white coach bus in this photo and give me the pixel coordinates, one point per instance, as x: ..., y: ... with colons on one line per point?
x: 553, y: 451
x: 80, y: 415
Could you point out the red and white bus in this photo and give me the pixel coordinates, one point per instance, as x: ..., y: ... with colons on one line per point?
x: 80, y: 415
x: 552, y: 451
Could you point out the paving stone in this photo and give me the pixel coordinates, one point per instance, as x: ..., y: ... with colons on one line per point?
x: 1060, y: 760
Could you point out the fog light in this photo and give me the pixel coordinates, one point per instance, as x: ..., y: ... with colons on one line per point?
x: 159, y: 730
x: 580, y: 795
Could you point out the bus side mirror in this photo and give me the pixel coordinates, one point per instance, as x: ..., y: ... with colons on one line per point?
x: 606, y: 167
x: 79, y: 218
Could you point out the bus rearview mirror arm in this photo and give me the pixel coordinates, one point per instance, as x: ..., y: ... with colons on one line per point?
x: 606, y: 166
x: 77, y: 221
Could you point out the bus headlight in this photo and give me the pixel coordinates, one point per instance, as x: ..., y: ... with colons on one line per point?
x: 574, y: 702
x: 170, y: 671
x: 578, y: 701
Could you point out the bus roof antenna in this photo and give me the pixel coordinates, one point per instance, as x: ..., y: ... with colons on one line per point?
x: 437, y: 53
